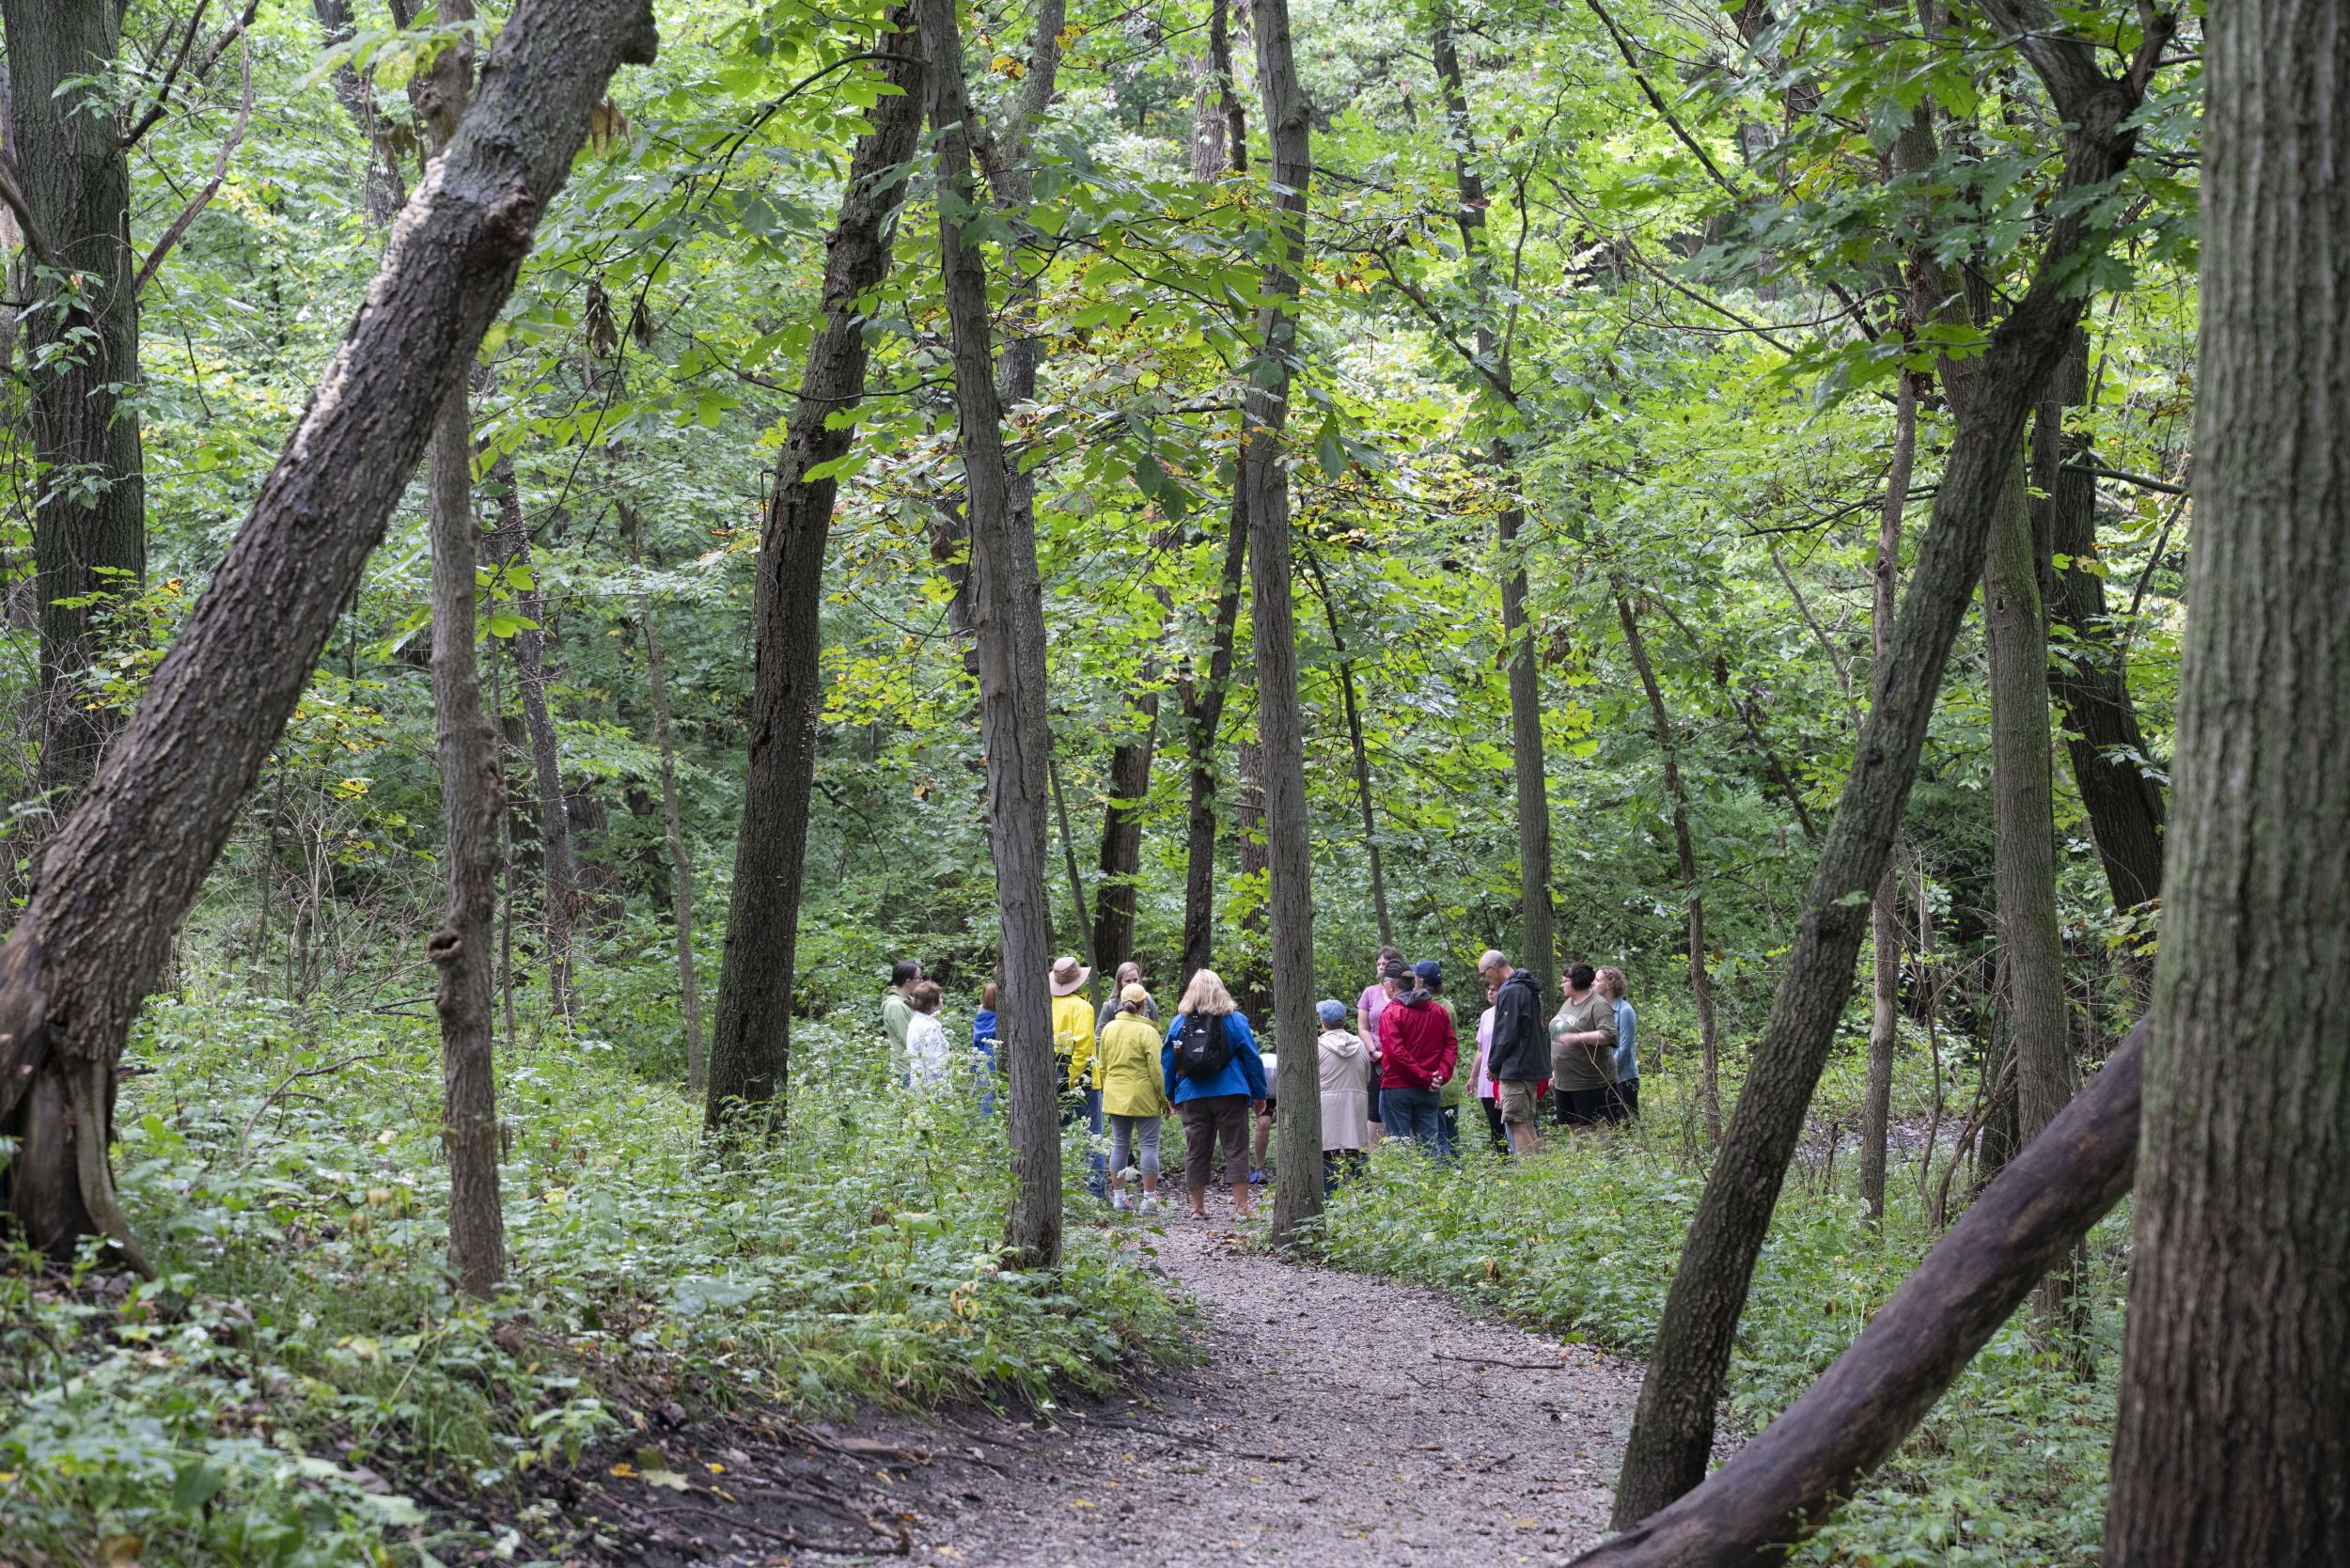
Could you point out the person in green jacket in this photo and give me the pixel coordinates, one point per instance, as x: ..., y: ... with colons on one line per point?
x: 897, y: 1012
x: 1126, y: 1063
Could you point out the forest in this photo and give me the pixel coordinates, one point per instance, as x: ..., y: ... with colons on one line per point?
x: 644, y: 637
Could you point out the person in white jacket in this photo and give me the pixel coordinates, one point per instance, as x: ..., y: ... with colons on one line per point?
x: 1345, y: 1096
x: 929, y: 1063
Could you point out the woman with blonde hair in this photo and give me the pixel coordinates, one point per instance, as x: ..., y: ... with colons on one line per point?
x: 1623, y: 1102
x: 1212, y: 1072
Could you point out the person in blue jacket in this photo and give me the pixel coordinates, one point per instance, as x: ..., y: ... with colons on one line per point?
x: 983, y: 1048
x: 1214, y: 1102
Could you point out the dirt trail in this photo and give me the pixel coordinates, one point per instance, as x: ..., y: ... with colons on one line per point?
x: 1336, y: 1419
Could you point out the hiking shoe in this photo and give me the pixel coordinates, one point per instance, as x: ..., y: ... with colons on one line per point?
x: 1118, y: 1201
x: 1148, y: 1206
x: 1256, y: 1178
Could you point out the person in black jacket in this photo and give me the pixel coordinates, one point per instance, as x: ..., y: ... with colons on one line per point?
x: 1520, y: 1057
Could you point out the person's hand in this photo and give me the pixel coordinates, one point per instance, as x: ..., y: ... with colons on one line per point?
x: 1257, y: 1106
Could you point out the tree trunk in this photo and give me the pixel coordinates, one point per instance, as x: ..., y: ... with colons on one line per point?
x: 2231, y: 1447
x: 1280, y: 722
x: 472, y: 792
x: 381, y: 191
x: 1782, y: 1485
x: 1536, y: 931
x: 1121, y: 835
x: 2108, y: 749
x: 80, y: 347
x: 750, y: 1045
x: 1361, y: 754
x: 1700, y: 982
x: 680, y: 860
x: 1203, y: 724
x: 530, y: 679
x: 1069, y: 862
x: 1885, y: 925
x: 1673, y: 1425
x: 1008, y: 619
x: 125, y: 867
x: 1252, y: 986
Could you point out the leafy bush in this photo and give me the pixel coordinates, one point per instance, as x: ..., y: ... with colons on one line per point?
x: 302, y: 1361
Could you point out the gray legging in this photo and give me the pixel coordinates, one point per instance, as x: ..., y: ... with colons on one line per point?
x: 1134, y: 1140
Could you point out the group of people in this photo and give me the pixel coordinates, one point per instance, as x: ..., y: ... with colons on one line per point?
x: 1396, y: 1074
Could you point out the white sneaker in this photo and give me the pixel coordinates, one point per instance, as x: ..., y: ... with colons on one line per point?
x: 1118, y: 1201
x: 1149, y: 1205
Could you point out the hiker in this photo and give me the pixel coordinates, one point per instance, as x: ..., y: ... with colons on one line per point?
x: 1129, y: 973
x: 1384, y: 988
x: 983, y: 1047
x: 1417, y: 1051
x: 1623, y: 1101
x: 1582, y: 1051
x: 1211, y: 1071
x: 1132, y: 1096
x: 1519, y: 1058
x: 929, y: 1063
x: 1259, y: 1172
x: 1481, y: 1080
x: 898, y: 1011
x: 1346, y: 1075
x: 1072, y: 1047
x: 1454, y: 1089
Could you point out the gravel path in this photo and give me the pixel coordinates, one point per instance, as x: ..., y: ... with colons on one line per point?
x: 1336, y: 1420
x: 1328, y: 1425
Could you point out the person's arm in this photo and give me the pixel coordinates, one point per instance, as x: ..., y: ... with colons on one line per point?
x: 1451, y: 1057
x: 1167, y: 1063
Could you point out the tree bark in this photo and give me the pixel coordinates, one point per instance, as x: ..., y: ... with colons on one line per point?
x: 1203, y: 724
x: 1007, y: 621
x: 750, y: 1046
x: 1700, y: 982
x: 1885, y: 924
x: 81, y: 348
x: 129, y: 861
x: 560, y: 874
x: 1120, y: 861
x: 473, y: 793
x: 2102, y: 735
x: 1069, y: 862
x: 1673, y: 1425
x: 1280, y: 722
x: 1252, y: 986
x: 1782, y: 1485
x: 382, y: 192
x: 2231, y: 1447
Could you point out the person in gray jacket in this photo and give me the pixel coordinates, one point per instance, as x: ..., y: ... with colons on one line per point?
x: 1520, y: 1057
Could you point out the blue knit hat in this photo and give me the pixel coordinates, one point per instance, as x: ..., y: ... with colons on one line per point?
x: 1431, y: 973
x: 1331, y: 1011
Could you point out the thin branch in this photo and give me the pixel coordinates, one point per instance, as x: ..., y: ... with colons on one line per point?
x: 231, y: 34
x: 220, y: 172
x: 2143, y: 482
x: 1623, y: 47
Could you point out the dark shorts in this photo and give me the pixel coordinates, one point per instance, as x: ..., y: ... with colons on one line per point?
x: 1267, y: 1112
x: 1582, y: 1107
x: 1206, y: 1120
x: 1623, y: 1099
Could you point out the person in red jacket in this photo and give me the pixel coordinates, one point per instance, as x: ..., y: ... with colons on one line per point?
x: 1417, y: 1054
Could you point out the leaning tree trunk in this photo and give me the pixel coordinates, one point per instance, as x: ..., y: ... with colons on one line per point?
x: 2024, y: 817
x: 1007, y: 621
x: 2103, y: 739
x: 1885, y: 924
x: 557, y: 870
x: 81, y: 348
x: 750, y: 1042
x: 129, y: 861
x: 2233, y: 1446
x: 473, y: 793
x: 1280, y: 723
x: 1203, y: 724
x: 1700, y: 982
x: 1672, y: 1429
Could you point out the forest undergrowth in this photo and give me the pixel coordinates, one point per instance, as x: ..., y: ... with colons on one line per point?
x: 2008, y: 1469
x: 300, y: 1376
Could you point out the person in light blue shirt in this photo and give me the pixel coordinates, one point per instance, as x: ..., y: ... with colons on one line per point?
x: 1624, y: 1104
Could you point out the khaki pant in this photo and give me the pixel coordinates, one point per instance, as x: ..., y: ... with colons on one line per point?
x: 1205, y: 1120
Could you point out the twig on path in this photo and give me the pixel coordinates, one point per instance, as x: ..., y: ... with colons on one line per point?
x: 902, y: 1541
x: 1519, y: 1366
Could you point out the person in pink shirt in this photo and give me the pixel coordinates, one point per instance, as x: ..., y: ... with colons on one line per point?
x: 1368, y: 1007
x: 1482, y: 1081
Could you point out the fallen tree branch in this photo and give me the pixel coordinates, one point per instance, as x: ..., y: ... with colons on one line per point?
x: 1780, y: 1487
